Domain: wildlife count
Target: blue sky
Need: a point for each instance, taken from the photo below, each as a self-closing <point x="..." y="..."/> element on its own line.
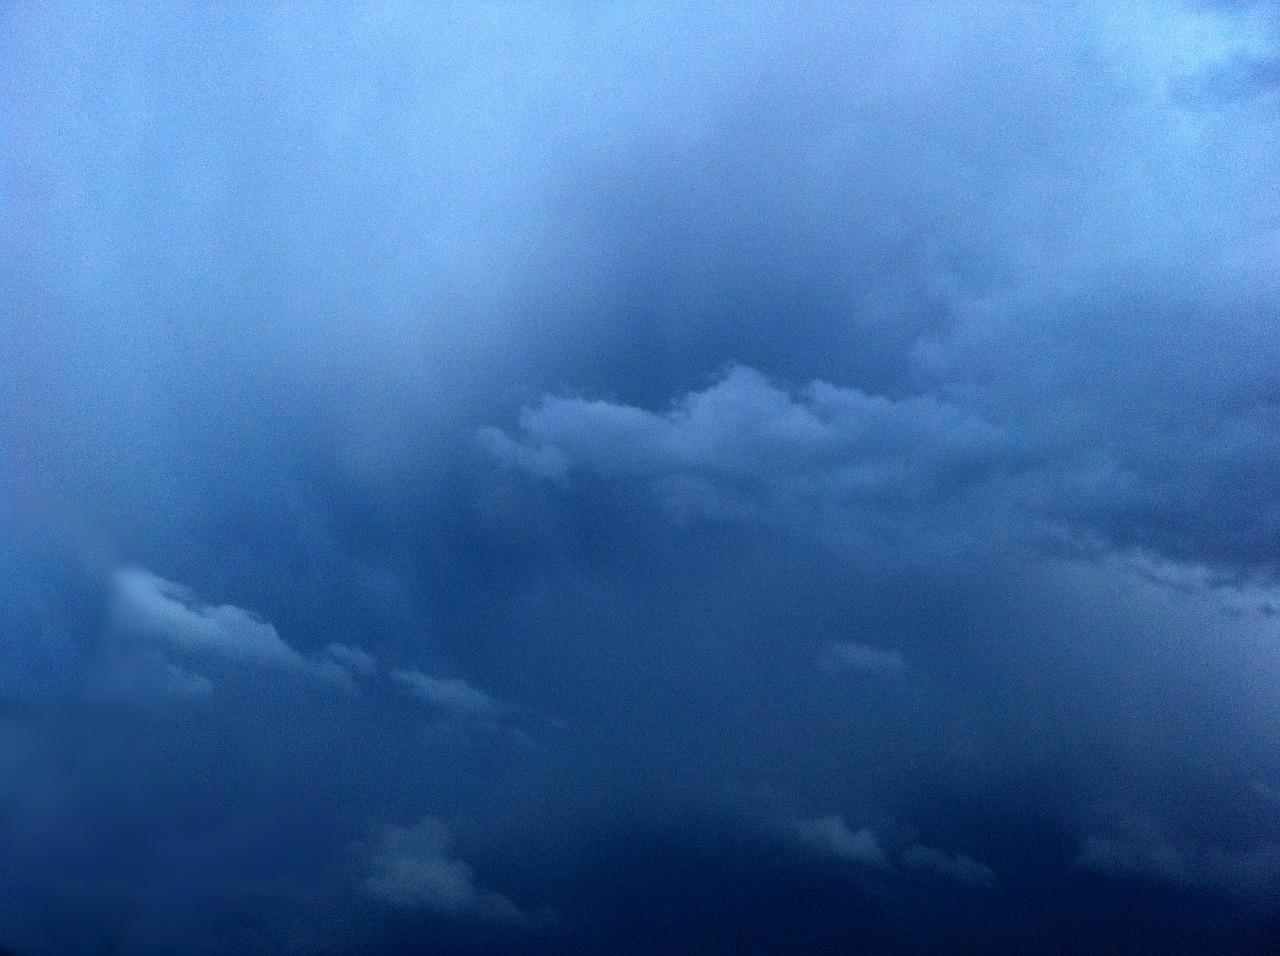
<point x="556" y="478"/>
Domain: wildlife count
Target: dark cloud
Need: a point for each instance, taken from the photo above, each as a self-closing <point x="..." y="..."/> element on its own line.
<point x="639" y="479"/>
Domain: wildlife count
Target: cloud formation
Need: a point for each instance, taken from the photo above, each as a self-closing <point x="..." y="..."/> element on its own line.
<point x="879" y="442"/>
<point x="876" y="474"/>
<point x="961" y="868"/>
<point x="174" y="623"/>
<point x="888" y="478"/>
<point x="353" y="658"/>
<point x="412" y="867"/>
<point x="1151" y="856"/>
<point x="450" y="694"/>
<point x="831" y="836"/>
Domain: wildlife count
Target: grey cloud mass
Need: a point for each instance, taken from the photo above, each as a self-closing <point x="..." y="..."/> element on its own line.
<point x="639" y="478"/>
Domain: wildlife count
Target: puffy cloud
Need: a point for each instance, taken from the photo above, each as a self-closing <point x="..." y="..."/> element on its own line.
<point x="876" y="473"/>
<point x="921" y="476"/>
<point x="412" y="867"/>
<point x="832" y="837"/>
<point x="961" y="868"/>
<point x="746" y="429"/>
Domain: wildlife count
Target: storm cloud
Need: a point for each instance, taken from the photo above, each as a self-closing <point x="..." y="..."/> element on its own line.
<point x="639" y="478"/>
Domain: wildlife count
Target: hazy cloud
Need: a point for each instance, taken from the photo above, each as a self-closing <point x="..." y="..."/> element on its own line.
<point x="961" y="868"/>
<point x="448" y="693"/>
<point x="413" y="867"/>
<point x="1149" y="855"/>
<point x="1152" y="858"/>
<point x="352" y="658"/>
<point x="842" y="654"/>
<point x="149" y="673"/>
<point x="832" y="837"/>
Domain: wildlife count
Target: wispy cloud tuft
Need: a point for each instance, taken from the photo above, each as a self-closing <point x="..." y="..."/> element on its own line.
<point x="832" y="837"/>
<point x="413" y="867"/>
<point x="448" y="693"/>
<point x="961" y="868"/>
<point x="170" y="636"/>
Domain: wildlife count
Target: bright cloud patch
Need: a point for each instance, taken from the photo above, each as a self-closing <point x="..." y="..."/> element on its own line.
<point x="182" y="635"/>
<point x="920" y="476"/>
<point x="744" y="440"/>
<point x="864" y="469"/>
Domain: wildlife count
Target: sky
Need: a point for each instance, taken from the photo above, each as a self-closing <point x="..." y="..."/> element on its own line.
<point x="554" y="478"/>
